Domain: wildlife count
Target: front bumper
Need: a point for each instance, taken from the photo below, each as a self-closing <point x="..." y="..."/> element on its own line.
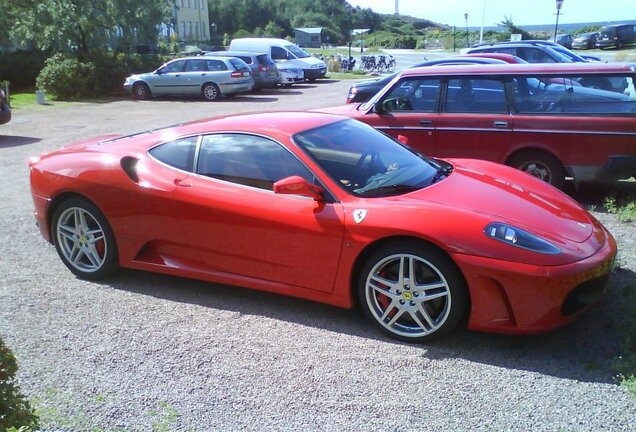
<point x="509" y="297"/>
<point x="606" y="44"/>
<point x="311" y="74"/>
<point x="616" y="168"/>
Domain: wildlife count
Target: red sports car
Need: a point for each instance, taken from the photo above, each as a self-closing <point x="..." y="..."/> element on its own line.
<point x="326" y="208"/>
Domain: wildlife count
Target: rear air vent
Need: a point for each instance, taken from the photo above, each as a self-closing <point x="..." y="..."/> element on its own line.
<point x="129" y="165"/>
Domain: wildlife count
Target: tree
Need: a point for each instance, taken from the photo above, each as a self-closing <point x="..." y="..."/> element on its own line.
<point x="82" y="25"/>
<point x="513" y="29"/>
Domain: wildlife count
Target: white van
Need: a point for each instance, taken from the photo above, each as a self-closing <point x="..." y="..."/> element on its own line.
<point x="285" y="53"/>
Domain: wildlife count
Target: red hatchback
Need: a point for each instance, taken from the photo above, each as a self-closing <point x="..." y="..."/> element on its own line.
<point x="328" y="209"/>
<point x="552" y="121"/>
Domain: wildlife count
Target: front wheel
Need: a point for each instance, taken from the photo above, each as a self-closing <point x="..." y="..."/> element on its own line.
<point x="541" y="165"/>
<point x="84" y="240"/>
<point x="140" y="91"/>
<point x="210" y="92"/>
<point x="413" y="292"/>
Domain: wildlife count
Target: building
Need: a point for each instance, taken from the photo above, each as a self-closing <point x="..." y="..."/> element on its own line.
<point x="308" y="37"/>
<point x="191" y="20"/>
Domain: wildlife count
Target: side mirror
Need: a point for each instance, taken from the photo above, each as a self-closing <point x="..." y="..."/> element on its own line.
<point x="378" y="108"/>
<point x="158" y="72"/>
<point x="404" y="140"/>
<point x="296" y="185"/>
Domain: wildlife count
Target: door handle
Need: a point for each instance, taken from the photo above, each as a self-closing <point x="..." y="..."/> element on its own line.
<point x="202" y="74"/>
<point x="426" y="122"/>
<point x="181" y="183"/>
<point x="500" y="124"/>
<point x="177" y="75"/>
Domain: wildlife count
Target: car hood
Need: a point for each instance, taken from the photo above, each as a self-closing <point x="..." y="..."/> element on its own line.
<point x="506" y="195"/>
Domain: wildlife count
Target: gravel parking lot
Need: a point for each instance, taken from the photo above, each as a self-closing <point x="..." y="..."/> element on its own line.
<point x="146" y="352"/>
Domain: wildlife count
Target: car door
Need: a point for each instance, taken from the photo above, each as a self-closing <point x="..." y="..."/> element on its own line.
<point x="194" y="75"/>
<point x="475" y="121"/>
<point x="168" y="79"/>
<point x="409" y="109"/>
<point x="240" y="227"/>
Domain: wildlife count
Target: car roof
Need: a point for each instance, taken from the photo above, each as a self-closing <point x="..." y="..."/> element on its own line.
<point x="233" y="53"/>
<point x="524" y="68"/>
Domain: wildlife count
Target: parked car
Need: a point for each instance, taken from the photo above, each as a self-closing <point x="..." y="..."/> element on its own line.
<point x="551" y="121"/>
<point x="616" y="36"/>
<point x="585" y="40"/>
<point x="530" y="52"/>
<point x="290" y="75"/>
<point x="564" y="39"/>
<point x="264" y="69"/>
<point x="567" y="56"/>
<point x="5" y="111"/>
<point x="284" y="53"/>
<point x="209" y="77"/>
<point x="362" y="91"/>
<point x="327" y="209"/>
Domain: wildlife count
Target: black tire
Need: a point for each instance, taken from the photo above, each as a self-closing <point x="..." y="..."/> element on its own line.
<point x="541" y="165"/>
<point x="84" y="240"/>
<point x="140" y="91"/>
<point x="210" y="92"/>
<point x="401" y="307"/>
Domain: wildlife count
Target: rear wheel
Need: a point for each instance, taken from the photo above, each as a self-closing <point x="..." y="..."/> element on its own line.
<point x="140" y="91"/>
<point x="210" y="92"/>
<point x="84" y="240"/>
<point x="412" y="292"/>
<point x="541" y="165"/>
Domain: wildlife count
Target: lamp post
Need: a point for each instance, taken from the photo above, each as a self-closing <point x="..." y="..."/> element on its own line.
<point x="559" y="3"/>
<point x="466" y="18"/>
<point x="350" y="31"/>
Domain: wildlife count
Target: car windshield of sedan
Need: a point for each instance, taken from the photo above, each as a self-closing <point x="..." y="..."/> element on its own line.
<point x="366" y="162"/>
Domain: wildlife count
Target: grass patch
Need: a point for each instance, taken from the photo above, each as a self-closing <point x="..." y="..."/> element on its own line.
<point x="355" y="51"/>
<point x="624" y="209"/>
<point x="22" y="100"/>
<point x="625" y="364"/>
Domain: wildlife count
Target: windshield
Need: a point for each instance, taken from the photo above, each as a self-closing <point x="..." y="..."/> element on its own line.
<point x="366" y="162"/>
<point x="299" y="53"/>
<point x="571" y="55"/>
<point x="609" y="31"/>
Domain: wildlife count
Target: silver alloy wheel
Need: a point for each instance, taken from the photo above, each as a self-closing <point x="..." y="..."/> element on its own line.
<point x="408" y="295"/>
<point x="140" y="91"/>
<point x="81" y="239"/>
<point x="537" y="169"/>
<point x="210" y="92"/>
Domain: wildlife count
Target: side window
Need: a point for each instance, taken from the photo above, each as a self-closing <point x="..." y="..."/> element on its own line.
<point x="195" y="66"/>
<point x="174" y="67"/>
<point x="279" y="53"/>
<point x="248" y="160"/>
<point x="178" y="154"/>
<point x="576" y="95"/>
<point x="474" y="95"/>
<point x="216" y="65"/>
<point x="246" y="59"/>
<point x="534" y="55"/>
<point x="417" y="95"/>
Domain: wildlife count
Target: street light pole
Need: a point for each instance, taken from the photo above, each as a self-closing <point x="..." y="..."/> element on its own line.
<point x="350" y="31"/>
<point x="559" y="3"/>
<point x="466" y="18"/>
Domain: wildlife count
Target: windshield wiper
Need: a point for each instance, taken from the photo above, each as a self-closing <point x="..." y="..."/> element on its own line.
<point x="390" y="189"/>
<point x="443" y="171"/>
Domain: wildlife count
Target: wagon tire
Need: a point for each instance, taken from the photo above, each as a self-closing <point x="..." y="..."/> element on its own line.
<point x="84" y="239"/>
<point x="140" y="91"/>
<point x="539" y="164"/>
<point x="413" y="292"/>
<point x="210" y="92"/>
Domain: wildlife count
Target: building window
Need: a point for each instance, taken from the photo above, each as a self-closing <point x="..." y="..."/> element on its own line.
<point x="183" y="30"/>
<point x="189" y="30"/>
<point x="196" y="30"/>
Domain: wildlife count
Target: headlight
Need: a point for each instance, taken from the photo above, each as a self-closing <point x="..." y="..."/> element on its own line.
<point x="517" y="237"/>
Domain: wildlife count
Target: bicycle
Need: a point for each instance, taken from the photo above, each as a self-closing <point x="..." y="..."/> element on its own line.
<point x="390" y="67"/>
<point x="367" y="63"/>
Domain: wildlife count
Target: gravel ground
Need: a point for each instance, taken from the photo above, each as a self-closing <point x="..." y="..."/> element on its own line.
<point x="146" y="352"/>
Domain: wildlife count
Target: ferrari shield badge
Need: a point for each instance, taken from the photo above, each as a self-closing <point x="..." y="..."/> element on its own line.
<point x="359" y="215"/>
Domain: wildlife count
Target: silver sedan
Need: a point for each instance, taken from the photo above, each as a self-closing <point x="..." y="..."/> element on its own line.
<point x="210" y="77"/>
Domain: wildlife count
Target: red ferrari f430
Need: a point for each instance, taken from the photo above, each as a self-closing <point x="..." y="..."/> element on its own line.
<point x="328" y="209"/>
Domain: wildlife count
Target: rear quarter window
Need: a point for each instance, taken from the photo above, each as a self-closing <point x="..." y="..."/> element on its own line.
<point x="178" y="154"/>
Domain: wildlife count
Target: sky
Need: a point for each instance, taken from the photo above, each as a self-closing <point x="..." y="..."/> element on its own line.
<point x="522" y="12"/>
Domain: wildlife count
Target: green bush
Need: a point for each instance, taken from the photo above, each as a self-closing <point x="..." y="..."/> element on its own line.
<point x="68" y="78"/>
<point x="21" y="68"/>
<point x="15" y="411"/>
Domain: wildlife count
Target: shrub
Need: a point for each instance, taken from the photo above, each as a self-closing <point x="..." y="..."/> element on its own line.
<point x="21" y="68"/>
<point x="15" y="411"/>
<point x="68" y="78"/>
